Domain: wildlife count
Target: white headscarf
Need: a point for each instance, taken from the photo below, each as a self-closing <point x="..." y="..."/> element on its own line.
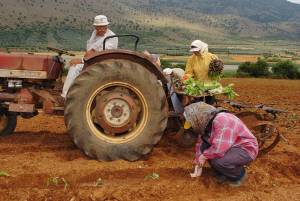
<point x="199" y="46"/>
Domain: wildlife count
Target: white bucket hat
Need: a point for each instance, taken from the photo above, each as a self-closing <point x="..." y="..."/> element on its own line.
<point x="198" y="46"/>
<point x="100" y="20"/>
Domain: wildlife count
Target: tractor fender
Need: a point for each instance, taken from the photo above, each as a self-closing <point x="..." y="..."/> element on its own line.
<point x="136" y="57"/>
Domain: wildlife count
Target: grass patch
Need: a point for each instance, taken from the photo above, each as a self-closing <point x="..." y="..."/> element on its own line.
<point x="229" y="73"/>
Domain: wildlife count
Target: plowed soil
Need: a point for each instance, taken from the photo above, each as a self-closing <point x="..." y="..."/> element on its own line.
<point x="40" y="150"/>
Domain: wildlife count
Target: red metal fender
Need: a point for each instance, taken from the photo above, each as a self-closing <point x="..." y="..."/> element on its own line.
<point x="136" y="57"/>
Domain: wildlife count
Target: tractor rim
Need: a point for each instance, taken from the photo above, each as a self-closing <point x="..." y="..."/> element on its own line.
<point x="114" y="115"/>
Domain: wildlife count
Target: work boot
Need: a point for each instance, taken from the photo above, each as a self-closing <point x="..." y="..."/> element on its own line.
<point x="239" y="182"/>
<point x="219" y="178"/>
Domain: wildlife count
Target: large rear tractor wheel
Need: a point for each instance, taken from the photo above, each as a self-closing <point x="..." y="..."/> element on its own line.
<point x="116" y="110"/>
<point x="8" y="122"/>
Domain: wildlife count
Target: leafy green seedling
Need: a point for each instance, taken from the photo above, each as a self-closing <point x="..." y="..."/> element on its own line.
<point x="66" y="184"/>
<point x="4" y="174"/>
<point x="152" y="176"/>
<point x="99" y="182"/>
<point x="55" y="181"/>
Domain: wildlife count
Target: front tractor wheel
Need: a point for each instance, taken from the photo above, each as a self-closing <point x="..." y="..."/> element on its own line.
<point x="116" y="110"/>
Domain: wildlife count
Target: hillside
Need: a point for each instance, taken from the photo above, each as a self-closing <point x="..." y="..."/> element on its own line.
<point x="163" y="23"/>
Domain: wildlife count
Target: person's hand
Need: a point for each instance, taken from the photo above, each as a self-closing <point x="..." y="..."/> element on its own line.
<point x="75" y="62"/>
<point x="185" y="77"/>
<point x="197" y="172"/>
<point x="89" y="53"/>
<point x="200" y="160"/>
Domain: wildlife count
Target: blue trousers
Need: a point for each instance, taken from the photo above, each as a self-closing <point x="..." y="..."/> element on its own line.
<point x="232" y="163"/>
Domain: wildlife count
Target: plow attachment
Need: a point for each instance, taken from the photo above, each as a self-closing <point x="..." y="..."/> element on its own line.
<point x="266" y="132"/>
<point x="262" y="126"/>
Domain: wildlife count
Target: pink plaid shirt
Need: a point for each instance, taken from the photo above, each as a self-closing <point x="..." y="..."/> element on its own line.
<point x="228" y="131"/>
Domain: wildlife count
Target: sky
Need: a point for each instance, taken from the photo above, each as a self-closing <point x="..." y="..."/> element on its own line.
<point x="295" y="1"/>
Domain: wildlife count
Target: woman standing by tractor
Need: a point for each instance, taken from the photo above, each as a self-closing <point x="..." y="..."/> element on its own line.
<point x="198" y="63"/>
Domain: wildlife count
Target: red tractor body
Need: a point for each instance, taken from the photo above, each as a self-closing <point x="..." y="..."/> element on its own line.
<point x="29" y="81"/>
<point x="21" y="65"/>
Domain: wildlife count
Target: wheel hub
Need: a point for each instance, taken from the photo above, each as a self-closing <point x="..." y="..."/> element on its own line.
<point x="116" y="112"/>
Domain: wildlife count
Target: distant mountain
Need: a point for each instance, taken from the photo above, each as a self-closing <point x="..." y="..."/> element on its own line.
<point x="160" y="23"/>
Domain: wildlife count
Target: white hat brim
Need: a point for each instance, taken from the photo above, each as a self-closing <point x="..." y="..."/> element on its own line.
<point x="101" y="24"/>
<point x="196" y="49"/>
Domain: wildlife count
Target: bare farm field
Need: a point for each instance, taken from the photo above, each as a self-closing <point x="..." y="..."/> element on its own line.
<point x="42" y="163"/>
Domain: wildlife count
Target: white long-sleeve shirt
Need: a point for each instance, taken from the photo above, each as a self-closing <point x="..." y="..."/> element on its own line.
<point x="96" y="42"/>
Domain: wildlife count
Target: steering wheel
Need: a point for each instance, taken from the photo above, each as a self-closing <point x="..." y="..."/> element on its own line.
<point x="60" y="52"/>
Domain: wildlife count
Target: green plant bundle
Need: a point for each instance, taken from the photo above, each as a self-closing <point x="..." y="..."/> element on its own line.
<point x="214" y="75"/>
<point x="197" y="88"/>
<point x="216" y="67"/>
<point x="229" y="92"/>
<point x="194" y="87"/>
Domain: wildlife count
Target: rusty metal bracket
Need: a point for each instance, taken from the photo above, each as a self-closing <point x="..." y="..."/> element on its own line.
<point x="8" y="97"/>
<point x="44" y="95"/>
<point x="14" y="107"/>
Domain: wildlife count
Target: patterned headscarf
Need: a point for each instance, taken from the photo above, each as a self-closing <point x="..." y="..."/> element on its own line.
<point x="198" y="115"/>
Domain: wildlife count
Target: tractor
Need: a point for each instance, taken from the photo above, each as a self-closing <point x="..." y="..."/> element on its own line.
<point x="117" y="108"/>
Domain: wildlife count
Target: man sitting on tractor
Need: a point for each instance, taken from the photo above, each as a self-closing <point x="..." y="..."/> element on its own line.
<point x="94" y="44"/>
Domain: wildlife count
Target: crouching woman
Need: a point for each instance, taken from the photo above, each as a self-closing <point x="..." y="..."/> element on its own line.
<point x="224" y="141"/>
